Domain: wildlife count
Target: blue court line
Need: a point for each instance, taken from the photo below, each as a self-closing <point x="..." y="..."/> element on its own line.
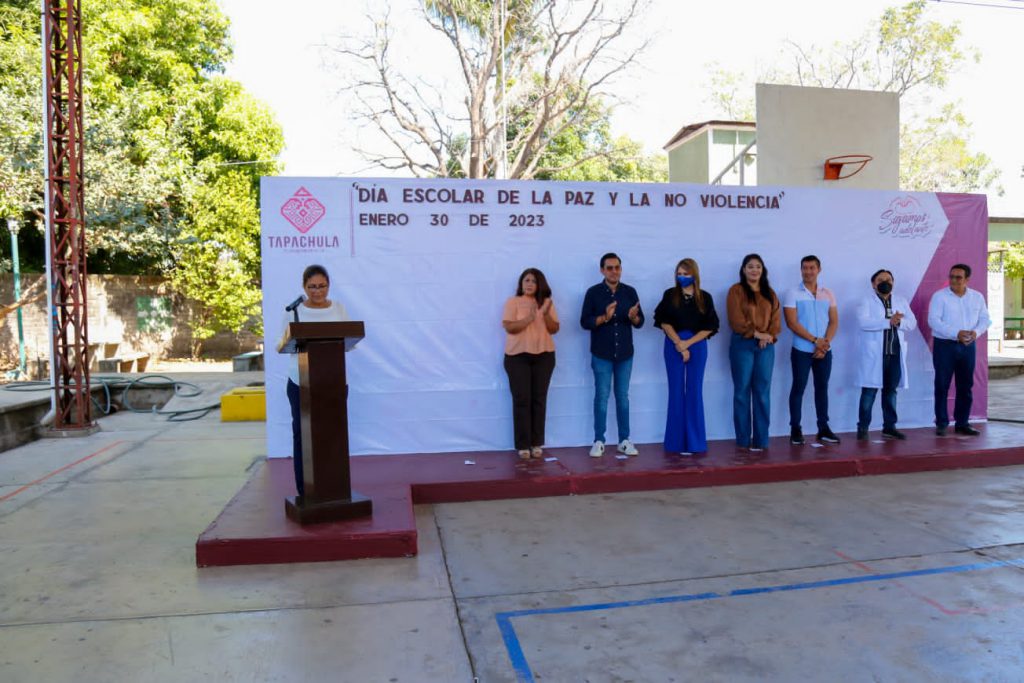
<point x="525" y="675"/>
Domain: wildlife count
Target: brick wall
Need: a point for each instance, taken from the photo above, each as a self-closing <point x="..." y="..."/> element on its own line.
<point x="140" y="313"/>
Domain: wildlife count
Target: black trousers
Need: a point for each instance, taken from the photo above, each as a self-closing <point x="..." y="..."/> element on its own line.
<point x="293" y="400"/>
<point x="529" y="375"/>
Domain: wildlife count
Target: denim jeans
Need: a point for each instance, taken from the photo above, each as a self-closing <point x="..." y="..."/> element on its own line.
<point x="891" y="375"/>
<point x="952" y="359"/>
<point x="605" y="372"/>
<point x="752" y="384"/>
<point x="804" y="363"/>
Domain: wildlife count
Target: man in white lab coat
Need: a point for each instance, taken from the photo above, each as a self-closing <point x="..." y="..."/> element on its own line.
<point x="884" y="319"/>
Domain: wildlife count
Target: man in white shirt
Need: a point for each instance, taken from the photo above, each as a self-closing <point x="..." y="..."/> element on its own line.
<point x="957" y="315"/>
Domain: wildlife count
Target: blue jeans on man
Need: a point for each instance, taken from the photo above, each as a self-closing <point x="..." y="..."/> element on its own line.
<point x="606" y="374"/>
<point x="892" y="374"/>
<point x="953" y="360"/>
<point x="804" y="363"/>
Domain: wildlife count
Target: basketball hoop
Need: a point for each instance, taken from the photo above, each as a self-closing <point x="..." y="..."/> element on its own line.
<point x="834" y="165"/>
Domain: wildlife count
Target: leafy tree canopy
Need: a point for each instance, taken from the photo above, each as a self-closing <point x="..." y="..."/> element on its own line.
<point x="171" y="146"/>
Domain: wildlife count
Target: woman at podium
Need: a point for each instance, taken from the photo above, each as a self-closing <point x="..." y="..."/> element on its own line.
<point x="315" y="308"/>
<point x="529" y="319"/>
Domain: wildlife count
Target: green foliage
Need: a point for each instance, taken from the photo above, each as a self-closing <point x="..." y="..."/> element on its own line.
<point x="173" y="150"/>
<point x="20" y="109"/>
<point x="934" y="155"/>
<point x="1013" y="259"/>
<point x="584" y="149"/>
<point x="913" y="51"/>
<point x="218" y="256"/>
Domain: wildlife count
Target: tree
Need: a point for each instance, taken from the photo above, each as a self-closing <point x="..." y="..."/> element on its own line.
<point x="906" y="53"/>
<point x="20" y="109"/>
<point x="167" y="139"/>
<point x="550" y="59"/>
<point x="217" y="251"/>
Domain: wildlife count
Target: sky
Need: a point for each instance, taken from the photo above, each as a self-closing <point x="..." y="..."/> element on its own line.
<point x="282" y="56"/>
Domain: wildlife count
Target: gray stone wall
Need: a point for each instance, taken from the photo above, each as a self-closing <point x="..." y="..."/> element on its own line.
<point x="141" y="314"/>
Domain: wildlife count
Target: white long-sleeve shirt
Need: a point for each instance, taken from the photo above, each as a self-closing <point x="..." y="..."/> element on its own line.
<point x="949" y="313"/>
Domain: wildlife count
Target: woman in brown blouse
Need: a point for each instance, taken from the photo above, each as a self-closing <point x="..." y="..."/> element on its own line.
<point x="754" y="316"/>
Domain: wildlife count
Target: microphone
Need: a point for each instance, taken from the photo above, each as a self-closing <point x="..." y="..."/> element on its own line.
<point x="295" y="304"/>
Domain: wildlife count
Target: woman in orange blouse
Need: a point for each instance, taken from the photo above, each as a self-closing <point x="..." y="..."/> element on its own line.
<point x="529" y="320"/>
<point x="754" y="316"/>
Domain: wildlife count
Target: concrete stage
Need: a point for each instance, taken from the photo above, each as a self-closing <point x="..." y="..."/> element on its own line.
<point x="253" y="529"/>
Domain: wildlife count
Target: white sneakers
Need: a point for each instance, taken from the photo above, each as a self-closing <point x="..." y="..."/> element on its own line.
<point x="628" y="448"/>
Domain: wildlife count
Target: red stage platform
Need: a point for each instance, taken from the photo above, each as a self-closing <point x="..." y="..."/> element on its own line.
<point x="253" y="529"/>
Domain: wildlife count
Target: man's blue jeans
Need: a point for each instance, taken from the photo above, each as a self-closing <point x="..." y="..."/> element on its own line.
<point x="951" y="359"/>
<point x="605" y="373"/>
<point x="752" y="387"/>
<point x="891" y="376"/>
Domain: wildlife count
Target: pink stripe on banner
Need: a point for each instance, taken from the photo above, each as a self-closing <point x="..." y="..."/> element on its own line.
<point x="965" y="241"/>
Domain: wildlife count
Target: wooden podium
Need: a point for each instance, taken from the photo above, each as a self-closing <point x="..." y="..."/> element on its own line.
<point x="323" y="394"/>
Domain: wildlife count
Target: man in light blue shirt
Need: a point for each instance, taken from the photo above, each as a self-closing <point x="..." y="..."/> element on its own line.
<point x="957" y="315"/>
<point x="812" y="315"/>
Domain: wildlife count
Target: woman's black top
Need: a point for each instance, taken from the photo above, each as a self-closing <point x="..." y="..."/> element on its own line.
<point x="685" y="315"/>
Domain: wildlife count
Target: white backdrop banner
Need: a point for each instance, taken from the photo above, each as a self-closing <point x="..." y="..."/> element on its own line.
<point x="428" y="266"/>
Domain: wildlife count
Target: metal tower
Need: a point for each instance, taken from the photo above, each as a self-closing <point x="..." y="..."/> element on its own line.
<point x="65" y="212"/>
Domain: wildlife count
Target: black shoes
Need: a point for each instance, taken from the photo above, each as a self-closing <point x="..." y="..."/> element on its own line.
<point x="796" y="436"/>
<point x="894" y="434"/>
<point x="862" y="434"/>
<point x="827" y="436"/>
<point x="966" y="430"/>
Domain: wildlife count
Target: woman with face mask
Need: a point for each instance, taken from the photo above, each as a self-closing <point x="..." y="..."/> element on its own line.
<point x="687" y="316"/>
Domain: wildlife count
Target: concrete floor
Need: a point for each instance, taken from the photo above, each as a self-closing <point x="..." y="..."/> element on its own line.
<point x="892" y="578"/>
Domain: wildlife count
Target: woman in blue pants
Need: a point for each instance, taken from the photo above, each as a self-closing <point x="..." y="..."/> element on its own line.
<point x="687" y="316"/>
<point x="752" y="308"/>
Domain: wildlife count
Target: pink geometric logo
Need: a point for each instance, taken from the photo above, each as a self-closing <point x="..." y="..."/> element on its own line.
<point x="303" y="210"/>
<point x="905" y="217"/>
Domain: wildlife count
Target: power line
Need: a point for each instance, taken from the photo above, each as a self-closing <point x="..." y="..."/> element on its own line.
<point x="980" y="4"/>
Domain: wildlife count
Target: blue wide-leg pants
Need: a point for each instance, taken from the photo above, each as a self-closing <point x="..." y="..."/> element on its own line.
<point x="684" y="427"/>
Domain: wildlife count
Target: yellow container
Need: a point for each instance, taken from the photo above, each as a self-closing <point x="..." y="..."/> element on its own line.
<point x="244" y="404"/>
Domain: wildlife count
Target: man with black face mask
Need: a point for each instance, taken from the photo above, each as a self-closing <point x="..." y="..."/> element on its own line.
<point x="883" y="318"/>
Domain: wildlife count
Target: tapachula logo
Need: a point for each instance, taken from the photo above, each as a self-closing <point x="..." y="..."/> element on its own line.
<point x="303" y="210"/>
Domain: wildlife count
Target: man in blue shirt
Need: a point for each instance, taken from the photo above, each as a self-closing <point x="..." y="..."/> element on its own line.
<point x="812" y="315"/>
<point x="611" y="309"/>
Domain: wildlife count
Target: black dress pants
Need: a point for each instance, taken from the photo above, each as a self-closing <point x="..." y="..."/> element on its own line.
<point x="529" y="375"/>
